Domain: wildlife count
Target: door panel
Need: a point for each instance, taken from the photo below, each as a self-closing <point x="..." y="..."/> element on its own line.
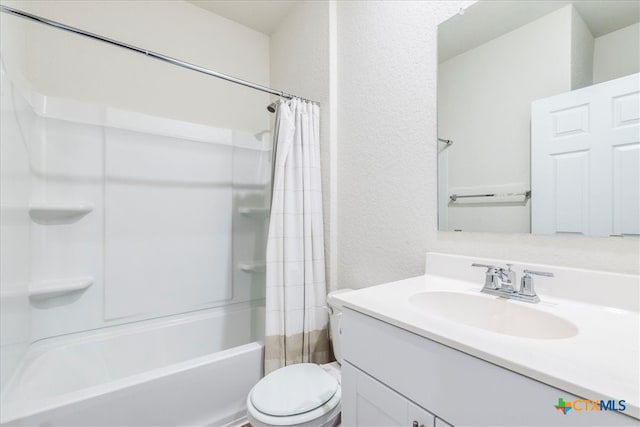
<point x="572" y="192"/>
<point x="626" y="189"/>
<point x="585" y="160"/>
<point x="369" y="403"/>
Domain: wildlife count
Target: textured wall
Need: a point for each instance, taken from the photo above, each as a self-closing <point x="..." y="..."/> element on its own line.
<point x="387" y="156"/>
<point x="386" y="137"/>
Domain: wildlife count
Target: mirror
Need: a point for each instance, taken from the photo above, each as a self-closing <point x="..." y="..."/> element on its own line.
<point x="539" y="118"/>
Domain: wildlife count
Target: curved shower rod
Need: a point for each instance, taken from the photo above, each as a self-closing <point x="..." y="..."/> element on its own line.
<point x="156" y="55"/>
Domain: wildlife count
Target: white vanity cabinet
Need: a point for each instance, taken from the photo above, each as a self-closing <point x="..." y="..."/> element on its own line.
<point x="392" y="377"/>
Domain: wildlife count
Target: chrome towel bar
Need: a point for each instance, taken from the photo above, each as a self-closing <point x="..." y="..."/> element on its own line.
<point x="454" y="197"/>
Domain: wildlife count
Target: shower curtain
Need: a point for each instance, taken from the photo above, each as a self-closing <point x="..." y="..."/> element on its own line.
<point x="296" y="321"/>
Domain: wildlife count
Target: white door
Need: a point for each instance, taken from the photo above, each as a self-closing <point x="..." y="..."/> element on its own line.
<point x="585" y="160"/>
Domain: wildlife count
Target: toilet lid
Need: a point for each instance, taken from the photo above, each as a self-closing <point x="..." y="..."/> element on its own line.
<point x="293" y="390"/>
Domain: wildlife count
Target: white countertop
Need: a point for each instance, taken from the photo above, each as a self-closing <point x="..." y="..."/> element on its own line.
<point x="601" y="362"/>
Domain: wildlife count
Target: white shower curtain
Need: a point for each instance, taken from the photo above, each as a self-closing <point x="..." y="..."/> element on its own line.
<point x="296" y="321"/>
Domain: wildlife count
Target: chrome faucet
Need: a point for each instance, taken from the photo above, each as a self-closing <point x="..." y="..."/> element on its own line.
<point x="500" y="281"/>
<point x="507" y="278"/>
<point x="498" y="277"/>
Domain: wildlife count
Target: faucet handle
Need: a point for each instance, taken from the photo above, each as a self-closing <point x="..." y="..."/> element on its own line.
<point x="490" y="279"/>
<point x="484" y="265"/>
<point x="526" y="284"/>
<point x="538" y="273"/>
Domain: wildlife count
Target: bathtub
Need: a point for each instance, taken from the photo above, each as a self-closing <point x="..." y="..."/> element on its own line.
<point x="195" y="369"/>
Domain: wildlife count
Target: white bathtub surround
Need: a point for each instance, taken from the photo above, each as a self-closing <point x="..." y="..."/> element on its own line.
<point x="599" y="362"/>
<point x="115" y="239"/>
<point x="15" y="177"/>
<point x="182" y="370"/>
<point x="296" y="322"/>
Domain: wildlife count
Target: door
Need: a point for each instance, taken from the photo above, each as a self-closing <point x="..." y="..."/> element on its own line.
<point x="585" y="160"/>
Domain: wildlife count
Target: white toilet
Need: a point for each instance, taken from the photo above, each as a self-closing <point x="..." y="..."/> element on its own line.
<point x="302" y="395"/>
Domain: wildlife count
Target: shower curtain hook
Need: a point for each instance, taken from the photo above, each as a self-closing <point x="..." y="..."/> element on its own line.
<point x="284" y="97"/>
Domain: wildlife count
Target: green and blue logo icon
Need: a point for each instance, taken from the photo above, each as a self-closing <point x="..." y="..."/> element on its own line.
<point x="583" y="405"/>
<point x="563" y="406"/>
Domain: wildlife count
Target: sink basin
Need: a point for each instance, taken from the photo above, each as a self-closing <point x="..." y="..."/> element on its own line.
<point x="494" y="314"/>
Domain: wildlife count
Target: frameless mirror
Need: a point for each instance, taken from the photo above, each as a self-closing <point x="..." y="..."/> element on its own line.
<point x="539" y="118"/>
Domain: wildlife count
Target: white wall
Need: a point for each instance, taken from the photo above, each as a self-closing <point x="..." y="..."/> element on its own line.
<point x="301" y="64"/>
<point x="617" y="54"/>
<point x="387" y="157"/>
<point x="582" y="42"/>
<point x="65" y="65"/>
<point x="15" y="177"/>
<point x="484" y="106"/>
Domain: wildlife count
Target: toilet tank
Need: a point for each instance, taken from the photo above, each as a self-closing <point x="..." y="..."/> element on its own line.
<point x="335" y="316"/>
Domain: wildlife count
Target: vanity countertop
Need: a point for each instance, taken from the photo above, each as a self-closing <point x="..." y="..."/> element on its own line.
<point x="600" y="362"/>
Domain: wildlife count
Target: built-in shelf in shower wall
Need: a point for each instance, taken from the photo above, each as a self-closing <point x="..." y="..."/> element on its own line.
<point x="253" y="267"/>
<point x="57" y="213"/>
<point x="47" y="289"/>
<point x="254" y="212"/>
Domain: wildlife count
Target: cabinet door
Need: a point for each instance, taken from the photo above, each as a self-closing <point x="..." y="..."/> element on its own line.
<point x="418" y="417"/>
<point x="367" y="402"/>
<point x="440" y="423"/>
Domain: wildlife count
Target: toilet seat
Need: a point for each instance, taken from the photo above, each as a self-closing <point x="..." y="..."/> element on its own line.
<point x="295" y="395"/>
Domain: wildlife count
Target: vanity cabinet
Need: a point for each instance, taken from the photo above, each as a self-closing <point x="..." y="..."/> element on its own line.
<point x="392" y="377"/>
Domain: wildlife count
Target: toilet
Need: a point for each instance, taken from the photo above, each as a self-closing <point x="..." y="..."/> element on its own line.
<point x="305" y="394"/>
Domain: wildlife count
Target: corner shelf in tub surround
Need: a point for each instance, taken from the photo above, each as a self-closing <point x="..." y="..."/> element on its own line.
<point x="58" y="212"/>
<point x="254" y="212"/>
<point x="46" y="289"/>
<point x="253" y="267"/>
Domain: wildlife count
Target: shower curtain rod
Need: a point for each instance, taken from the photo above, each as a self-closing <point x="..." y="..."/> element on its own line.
<point x="161" y="57"/>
